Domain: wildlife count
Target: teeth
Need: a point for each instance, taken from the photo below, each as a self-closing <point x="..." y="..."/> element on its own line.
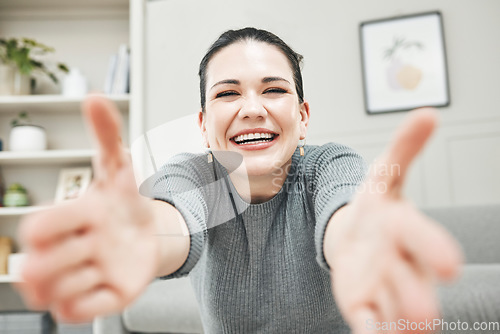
<point x="253" y="136"/>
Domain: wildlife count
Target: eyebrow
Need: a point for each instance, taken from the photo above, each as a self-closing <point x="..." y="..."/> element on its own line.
<point x="237" y="82"/>
<point x="272" y="79"/>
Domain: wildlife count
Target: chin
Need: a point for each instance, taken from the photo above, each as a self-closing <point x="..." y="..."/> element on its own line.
<point x="263" y="165"/>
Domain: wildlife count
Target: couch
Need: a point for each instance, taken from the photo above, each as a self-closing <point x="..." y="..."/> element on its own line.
<point x="170" y="306"/>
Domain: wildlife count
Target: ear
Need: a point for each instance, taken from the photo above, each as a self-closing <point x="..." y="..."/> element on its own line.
<point x="203" y="128"/>
<point x="304" y="119"/>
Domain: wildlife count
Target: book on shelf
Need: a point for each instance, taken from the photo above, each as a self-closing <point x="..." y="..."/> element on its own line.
<point x="108" y="84"/>
<point x="118" y="74"/>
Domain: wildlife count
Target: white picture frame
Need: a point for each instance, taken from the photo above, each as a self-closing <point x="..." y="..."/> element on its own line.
<point x="404" y="63"/>
<point x="73" y="182"/>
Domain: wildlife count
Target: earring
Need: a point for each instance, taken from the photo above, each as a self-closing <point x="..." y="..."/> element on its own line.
<point x="210" y="157"/>
<point x="302" y="143"/>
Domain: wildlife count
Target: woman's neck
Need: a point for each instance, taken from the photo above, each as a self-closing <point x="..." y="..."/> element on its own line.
<point x="256" y="189"/>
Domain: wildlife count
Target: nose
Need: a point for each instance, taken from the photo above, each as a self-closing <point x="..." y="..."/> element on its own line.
<point x="252" y="107"/>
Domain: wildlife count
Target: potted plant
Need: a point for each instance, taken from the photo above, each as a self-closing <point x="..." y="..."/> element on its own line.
<point x="25" y="136"/>
<point x="18" y="60"/>
<point x="16" y="195"/>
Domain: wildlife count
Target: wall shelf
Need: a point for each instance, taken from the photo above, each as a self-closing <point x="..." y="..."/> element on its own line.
<point x="9" y="279"/>
<point x="52" y="103"/>
<point x="47" y="157"/>
<point x="19" y="211"/>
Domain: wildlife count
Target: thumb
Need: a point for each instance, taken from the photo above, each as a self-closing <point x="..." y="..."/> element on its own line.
<point x="104" y="120"/>
<point x="408" y="141"/>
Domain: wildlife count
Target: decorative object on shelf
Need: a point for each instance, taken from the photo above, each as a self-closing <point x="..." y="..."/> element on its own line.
<point x="19" y="59"/>
<point x="15" y="264"/>
<point x="72" y="183"/>
<point x="16" y="195"/>
<point x="5" y="251"/>
<point x="1" y="145"/>
<point x="404" y="63"/>
<point x="118" y="76"/>
<point x="74" y="84"/>
<point x="25" y="136"/>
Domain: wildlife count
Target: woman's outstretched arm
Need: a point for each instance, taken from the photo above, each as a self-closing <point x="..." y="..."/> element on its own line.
<point x="94" y="255"/>
<point x="384" y="255"/>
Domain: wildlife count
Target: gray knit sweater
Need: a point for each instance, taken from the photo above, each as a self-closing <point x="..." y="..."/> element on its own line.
<point x="259" y="268"/>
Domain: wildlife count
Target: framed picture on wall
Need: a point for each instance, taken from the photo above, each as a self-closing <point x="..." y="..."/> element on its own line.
<point x="404" y="63"/>
<point x="72" y="183"/>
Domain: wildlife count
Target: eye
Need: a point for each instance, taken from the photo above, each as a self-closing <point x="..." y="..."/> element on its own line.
<point x="275" y="91"/>
<point x="226" y="93"/>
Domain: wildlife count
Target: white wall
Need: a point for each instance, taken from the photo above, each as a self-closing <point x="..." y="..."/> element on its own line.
<point x="458" y="167"/>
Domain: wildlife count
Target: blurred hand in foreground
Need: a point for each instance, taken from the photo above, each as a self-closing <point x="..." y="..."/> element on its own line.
<point x="95" y="254"/>
<point x="385" y="256"/>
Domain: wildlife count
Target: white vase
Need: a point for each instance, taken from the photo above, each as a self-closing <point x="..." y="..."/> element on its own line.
<point x="12" y="82"/>
<point x="74" y="84"/>
<point x="27" y="138"/>
<point x="15" y="264"/>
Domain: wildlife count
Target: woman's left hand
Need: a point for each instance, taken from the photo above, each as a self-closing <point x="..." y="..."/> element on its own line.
<point x="385" y="256"/>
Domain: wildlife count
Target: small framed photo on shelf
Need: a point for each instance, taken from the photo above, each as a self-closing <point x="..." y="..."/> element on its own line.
<point x="72" y="183"/>
<point x="404" y="63"/>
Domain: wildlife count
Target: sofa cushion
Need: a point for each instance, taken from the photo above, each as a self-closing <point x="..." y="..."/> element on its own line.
<point x="474" y="297"/>
<point x="477" y="229"/>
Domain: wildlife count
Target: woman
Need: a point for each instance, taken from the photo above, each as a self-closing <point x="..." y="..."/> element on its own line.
<point x="261" y="233"/>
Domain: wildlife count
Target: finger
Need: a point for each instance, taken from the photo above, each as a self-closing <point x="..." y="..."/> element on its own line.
<point x="78" y="282"/>
<point x="45" y="227"/>
<point x="85" y="308"/>
<point x="44" y="266"/>
<point x="430" y="245"/>
<point x="104" y="119"/>
<point x="364" y="321"/>
<point x="416" y="298"/>
<point x="407" y="142"/>
<point x="386" y="304"/>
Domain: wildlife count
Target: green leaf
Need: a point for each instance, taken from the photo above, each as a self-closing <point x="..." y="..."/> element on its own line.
<point x="20" y="51"/>
<point x="63" y="67"/>
<point x="53" y="77"/>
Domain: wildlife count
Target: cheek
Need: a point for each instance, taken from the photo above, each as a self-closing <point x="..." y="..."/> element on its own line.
<point x="218" y="124"/>
<point x="287" y="115"/>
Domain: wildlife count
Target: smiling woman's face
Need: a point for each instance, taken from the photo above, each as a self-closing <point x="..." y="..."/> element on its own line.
<point x="252" y="106"/>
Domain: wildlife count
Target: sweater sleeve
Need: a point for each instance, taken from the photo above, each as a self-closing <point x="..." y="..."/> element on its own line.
<point x="336" y="171"/>
<point x="182" y="183"/>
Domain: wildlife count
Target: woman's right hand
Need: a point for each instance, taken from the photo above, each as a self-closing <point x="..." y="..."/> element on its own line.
<point x="95" y="254"/>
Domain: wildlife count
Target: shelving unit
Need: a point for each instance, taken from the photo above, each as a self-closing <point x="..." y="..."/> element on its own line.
<point x="84" y="33"/>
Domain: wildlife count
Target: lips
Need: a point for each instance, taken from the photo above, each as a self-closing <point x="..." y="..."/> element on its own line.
<point x="254" y="138"/>
<point x="258" y="137"/>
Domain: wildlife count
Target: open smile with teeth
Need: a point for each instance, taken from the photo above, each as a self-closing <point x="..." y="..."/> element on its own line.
<point x="254" y="138"/>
